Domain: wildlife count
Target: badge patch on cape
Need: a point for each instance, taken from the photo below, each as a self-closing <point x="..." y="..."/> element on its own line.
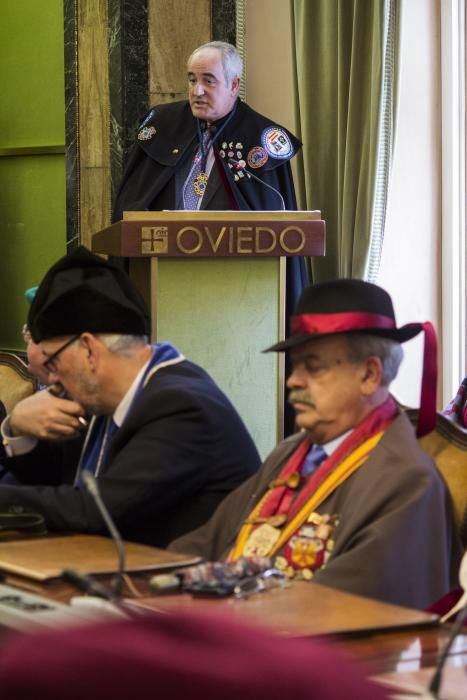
<point x="147" y="133"/>
<point x="277" y="143"/>
<point x="257" y="157"/>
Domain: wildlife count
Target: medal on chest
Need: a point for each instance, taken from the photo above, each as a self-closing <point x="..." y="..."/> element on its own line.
<point x="199" y="183"/>
<point x="261" y="541"/>
<point x="309" y="549"/>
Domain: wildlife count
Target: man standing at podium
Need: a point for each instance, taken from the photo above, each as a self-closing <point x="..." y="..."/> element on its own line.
<point x="212" y="151"/>
<point x="164" y="442"/>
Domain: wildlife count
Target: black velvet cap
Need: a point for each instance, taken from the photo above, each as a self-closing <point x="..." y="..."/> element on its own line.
<point x="83" y="292"/>
<point x="344" y="306"/>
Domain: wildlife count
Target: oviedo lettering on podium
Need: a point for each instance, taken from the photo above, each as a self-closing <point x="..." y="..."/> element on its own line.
<point x="211" y="240"/>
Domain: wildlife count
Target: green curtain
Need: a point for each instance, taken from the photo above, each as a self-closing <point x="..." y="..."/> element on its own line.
<point x="340" y="46"/>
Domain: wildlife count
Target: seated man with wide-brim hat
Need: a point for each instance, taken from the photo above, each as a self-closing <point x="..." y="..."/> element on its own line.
<point x="350" y="501"/>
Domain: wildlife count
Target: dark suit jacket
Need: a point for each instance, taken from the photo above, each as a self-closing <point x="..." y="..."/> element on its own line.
<point x="396" y="539"/>
<point x="180" y="450"/>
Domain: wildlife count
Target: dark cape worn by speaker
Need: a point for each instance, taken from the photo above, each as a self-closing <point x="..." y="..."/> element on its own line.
<point x="382" y="546"/>
<point x="181" y="448"/>
<point x="167" y="141"/>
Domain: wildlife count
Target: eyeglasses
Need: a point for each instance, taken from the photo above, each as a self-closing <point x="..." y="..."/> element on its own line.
<point x="51" y="364"/>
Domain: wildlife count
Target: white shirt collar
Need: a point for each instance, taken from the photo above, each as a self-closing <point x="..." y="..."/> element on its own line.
<point x="124" y="405"/>
<point x="332" y="445"/>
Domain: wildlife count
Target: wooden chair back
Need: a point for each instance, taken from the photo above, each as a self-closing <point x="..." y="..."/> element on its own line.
<point x="16" y="382"/>
<point x="447" y="446"/>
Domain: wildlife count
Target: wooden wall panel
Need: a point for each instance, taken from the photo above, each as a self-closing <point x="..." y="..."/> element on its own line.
<point x="175" y="29"/>
<point x="94" y="110"/>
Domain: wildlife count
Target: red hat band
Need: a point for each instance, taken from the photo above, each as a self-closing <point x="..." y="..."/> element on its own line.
<point x="339" y="322"/>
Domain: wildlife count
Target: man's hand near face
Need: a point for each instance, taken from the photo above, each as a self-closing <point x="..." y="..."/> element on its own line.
<point x="47" y="417"/>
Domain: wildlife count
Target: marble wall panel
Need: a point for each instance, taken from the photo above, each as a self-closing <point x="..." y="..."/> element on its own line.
<point x="71" y="123"/>
<point x="223" y="24"/>
<point x="128" y="77"/>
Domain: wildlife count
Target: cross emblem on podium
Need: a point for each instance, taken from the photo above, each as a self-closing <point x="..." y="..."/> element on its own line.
<point x="154" y="240"/>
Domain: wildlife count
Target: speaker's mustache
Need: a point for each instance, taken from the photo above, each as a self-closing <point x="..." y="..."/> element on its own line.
<point x="300" y="396"/>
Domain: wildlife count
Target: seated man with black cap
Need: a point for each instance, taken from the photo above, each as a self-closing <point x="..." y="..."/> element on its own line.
<point x="351" y="501"/>
<point x="164" y="442"/>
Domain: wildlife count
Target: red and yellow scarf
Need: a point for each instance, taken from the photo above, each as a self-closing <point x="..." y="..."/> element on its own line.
<point x="284" y="505"/>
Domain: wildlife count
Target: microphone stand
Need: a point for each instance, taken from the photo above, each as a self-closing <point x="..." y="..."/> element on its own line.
<point x="435" y="684"/>
<point x="87" y="584"/>
<point x="433" y="690"/>
<point x="92" y="487"/>
<point x="102" y="600"/>
<point x="240" y="167"/>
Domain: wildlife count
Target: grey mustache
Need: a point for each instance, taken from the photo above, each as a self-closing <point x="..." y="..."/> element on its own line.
<point x="299" y="396"/>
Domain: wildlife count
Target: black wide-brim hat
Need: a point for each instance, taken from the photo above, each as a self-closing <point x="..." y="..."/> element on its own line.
<point x="83" y="292"/>
<point x="353" y="306"/>
<point x="344" y="306"/>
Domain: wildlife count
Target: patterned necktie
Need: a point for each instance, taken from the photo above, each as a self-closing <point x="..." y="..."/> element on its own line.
<point x="195" y="184"/>
<point x="313" y="459"/>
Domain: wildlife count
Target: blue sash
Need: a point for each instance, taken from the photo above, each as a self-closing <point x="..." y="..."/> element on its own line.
<point x="102" y="428"/>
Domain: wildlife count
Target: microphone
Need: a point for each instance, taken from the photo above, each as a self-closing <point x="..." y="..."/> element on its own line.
<point x="92" y="487"/>
<point x="239" y="166"/>
<point x="434" y="687"/>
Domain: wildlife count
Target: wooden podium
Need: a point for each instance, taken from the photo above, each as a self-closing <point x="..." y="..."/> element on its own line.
<point x="215" y="284"/>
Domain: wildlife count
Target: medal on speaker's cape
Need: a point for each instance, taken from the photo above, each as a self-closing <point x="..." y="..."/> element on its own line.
<point x="199" y="183"/>
<point x="205" y="144"/>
